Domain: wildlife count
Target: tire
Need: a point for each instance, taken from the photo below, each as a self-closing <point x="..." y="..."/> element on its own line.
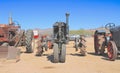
<point x="99" y="48"/>
<point x="112" y="51"/>
<point x="55" y="53"/>
<point x="83" y="49"/>
<point x="28" y="41"/>
<point x="96" y="46"/>
<point x="83" y="52"/>
<point x="63" y="54"/>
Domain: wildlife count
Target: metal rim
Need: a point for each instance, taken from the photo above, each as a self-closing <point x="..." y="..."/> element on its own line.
<point x="110" y="50"/>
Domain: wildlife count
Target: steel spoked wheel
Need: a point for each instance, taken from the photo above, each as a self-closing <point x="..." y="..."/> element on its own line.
<point x="63" y="54"/>
<point x="112" y="50"/>
<point x="55" y="53"/>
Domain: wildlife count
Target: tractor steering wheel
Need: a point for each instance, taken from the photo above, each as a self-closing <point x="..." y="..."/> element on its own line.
<point x="109" y="25"/>
<point x="16" y="23"/>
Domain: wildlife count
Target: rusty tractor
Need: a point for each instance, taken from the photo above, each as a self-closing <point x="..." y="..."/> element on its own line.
<point x="113" y="47"/>
<point x="60" y="32"/>
<point x="11" y="36"/>
<point x="111" y="41"/>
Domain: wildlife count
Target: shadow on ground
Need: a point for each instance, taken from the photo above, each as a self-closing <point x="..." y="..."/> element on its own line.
<point x="76" y="54"/>
<point x="92" y="53"/>
<point x="106" y="58"/>
<point x="50" y="58"/>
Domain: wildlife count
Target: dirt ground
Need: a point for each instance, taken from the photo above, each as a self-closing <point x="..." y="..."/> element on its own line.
<point x="75" y="63"/>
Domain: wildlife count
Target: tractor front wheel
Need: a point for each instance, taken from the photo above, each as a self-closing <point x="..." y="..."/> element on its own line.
<point x="112" y="51"/>
<point x="55" y="53"/>
<point x="63" y="54"/>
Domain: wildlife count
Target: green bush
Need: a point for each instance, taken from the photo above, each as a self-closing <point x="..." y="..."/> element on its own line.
<point x="81" y="32"/>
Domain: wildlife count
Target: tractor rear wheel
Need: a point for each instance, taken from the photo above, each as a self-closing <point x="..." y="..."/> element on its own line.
<point x="55" y="53"/>
<point x="28" y="41"/>
<point x="102" y="50"/>
<point x="96" y="45"/>
<point x="112" y="51"/>
<point x="63" y="54"/>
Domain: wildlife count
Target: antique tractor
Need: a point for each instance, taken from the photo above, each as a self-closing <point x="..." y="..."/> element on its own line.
<point x="60" y="32"/>
<point x="111" y="41"/>
<point x="113" y="47"/>
<point x="11" y="36"/>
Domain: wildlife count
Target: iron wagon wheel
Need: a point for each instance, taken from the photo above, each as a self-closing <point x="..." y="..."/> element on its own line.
<point x="55" y="53"/>
<point x="96" y="45"/>
<point x="63" y="54"/>
<point x="28" y="41"/>
<point x="112" y="51"/>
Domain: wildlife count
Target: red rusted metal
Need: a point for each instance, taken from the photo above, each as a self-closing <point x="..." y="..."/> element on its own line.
<point x="5" y="32"/>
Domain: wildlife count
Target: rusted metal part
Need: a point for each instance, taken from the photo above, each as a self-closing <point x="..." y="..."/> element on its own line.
<point x="3" y="51"/>
<point x="13" y="53"/>
<point x="10" y="52"/>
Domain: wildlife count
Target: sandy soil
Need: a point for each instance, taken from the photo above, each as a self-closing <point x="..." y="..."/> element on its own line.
<point x="75" y="63"/>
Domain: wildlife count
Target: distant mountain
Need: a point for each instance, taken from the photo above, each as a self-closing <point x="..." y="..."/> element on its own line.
<point x="100" y="28"/>
<point x="47" y="31"/>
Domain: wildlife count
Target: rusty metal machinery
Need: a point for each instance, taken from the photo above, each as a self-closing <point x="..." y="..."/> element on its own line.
<point x="111" y="41"/>
<point x="11" y="36"/>
<point x="113" y="47"/>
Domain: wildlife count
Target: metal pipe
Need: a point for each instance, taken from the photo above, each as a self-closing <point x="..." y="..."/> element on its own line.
<point x="67" y="18"/>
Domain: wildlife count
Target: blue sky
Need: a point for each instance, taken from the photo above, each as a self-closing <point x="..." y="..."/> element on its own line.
<point x="43" y="14"/>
